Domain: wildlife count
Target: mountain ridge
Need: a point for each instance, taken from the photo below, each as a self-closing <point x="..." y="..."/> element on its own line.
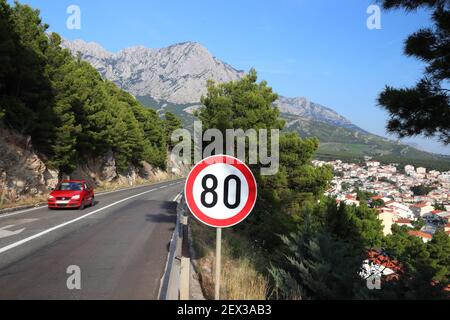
<point x="174" y="79"/>
<point x="117" y="68"/>
<point x="176" y="74"/>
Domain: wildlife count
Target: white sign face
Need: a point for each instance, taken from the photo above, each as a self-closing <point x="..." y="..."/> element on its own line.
<point x="214" y="178"/>
<point x="221" y="191"/>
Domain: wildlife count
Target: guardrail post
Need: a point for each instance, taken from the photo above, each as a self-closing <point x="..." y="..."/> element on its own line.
<point x="170" y="284"/>
<point x="175" y="284"/>
<point x="185" y="262"/>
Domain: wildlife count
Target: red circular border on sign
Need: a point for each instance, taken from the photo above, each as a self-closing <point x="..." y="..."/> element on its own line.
<point x="252" y="191"/>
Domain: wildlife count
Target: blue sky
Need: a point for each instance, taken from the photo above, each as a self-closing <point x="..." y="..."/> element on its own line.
<point x="318" y="49"/>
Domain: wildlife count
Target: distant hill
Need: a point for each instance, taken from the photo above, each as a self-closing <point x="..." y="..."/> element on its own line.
<point x="174" y="79"/>
<point x="337" y="142"/>
<point x="302" y="108"/>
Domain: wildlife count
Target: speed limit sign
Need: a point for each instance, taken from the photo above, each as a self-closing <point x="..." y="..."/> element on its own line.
<point x="221" y="191"/>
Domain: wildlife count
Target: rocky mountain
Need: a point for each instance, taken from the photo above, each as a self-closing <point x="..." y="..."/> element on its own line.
<point x="307" y="110"/>
<point x="176" y="74"/>
<point x="174" y="79"/>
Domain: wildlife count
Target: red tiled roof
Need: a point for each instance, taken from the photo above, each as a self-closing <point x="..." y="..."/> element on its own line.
<point x="402" y="220"/>
<point x="436" y="211"/>
<point x="421" y="205"/>
<point x="420" y="234"/>
<point x="383" y="260"/>
<point x="376" y="197"/>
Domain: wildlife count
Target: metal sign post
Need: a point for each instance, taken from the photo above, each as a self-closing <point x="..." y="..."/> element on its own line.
<point x="221" y="192"/>
<point x="218" y="262"/>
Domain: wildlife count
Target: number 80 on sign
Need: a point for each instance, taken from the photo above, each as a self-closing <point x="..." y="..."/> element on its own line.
<point x="221" y="191"/>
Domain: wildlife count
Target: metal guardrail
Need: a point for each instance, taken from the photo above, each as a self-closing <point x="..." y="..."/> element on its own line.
<point x="176" y="280"/>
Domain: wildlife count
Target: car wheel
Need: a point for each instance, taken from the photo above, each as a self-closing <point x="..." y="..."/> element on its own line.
<point x="82" y="205"/>
<point x="92" y="201"/>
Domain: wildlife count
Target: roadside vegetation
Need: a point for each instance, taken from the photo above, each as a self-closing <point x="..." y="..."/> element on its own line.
<point x="26" y="201"/>
<point x="298" y="244"/>
<point x="63" y="103"/>
<point x="241" y="278"/>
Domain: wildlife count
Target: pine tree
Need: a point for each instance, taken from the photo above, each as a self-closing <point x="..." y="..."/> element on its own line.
<point x="425" y="265"/>
<point x="69" y="111"/>
<point x="319" y="265"/>
<point x="423" y="109"/>
<point x="171" y="123"/>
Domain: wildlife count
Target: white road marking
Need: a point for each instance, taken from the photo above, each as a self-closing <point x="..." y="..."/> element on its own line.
<point x="6" y="233"/>
<point x="176" y="197"/>
<point x="19" y="212"/>
<point x="40" y="234"/>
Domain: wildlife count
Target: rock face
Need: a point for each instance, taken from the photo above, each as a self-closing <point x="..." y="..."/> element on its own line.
<point x="176" y="74"/>
<point x="23" y="171"/>
<point x="306" y="109"/>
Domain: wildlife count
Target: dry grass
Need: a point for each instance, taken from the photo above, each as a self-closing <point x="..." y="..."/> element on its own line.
<point x="117" y="185"/>
<point x="24" y="201"/>
<point x="239" y="278"/>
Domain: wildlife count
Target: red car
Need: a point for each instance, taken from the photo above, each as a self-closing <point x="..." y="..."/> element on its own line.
<point x="71" y="194"/>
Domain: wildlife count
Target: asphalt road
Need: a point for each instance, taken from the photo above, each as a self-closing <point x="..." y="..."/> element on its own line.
<point x="119" y="246"/>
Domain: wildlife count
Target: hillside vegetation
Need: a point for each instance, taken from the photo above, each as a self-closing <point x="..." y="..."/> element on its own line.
<point x="337" y="142"/>
<point x="298" y="244"/>
<point x="63" y="103"/>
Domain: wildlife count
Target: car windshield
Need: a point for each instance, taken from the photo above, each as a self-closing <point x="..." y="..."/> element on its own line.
<point x="69" y="186"/>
